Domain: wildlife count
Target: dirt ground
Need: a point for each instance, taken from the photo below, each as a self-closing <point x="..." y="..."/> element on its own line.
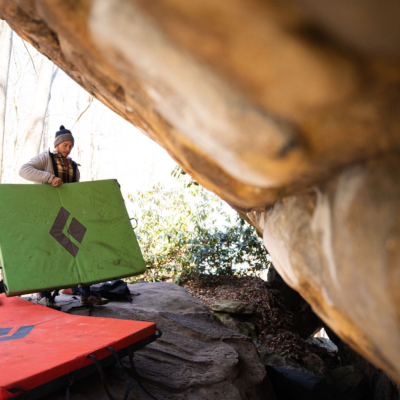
<point x="273" y="321"/>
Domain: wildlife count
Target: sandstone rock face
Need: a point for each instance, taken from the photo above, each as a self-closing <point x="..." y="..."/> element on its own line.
<point x="196" y="357"/>
<point x="287" y="110"/>
<point x="339" y="247"/>
<point x="252" y="113"/>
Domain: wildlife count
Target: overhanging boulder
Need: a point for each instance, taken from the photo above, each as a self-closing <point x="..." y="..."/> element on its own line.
<point x="247" y="97"/>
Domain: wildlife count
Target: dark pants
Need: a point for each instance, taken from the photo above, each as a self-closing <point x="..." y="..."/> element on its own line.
<point x="85" y="290"/>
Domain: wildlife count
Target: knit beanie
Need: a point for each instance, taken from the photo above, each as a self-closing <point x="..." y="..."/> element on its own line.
<point x="63" y="135"/>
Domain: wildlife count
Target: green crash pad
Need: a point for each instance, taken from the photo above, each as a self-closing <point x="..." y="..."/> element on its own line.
<point x="52" y="238"/>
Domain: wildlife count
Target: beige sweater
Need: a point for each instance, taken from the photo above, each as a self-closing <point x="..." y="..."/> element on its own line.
<point x="40" y="169"/>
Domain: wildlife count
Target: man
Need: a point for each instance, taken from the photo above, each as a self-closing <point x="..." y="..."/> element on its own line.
<point x="57" y="168"/>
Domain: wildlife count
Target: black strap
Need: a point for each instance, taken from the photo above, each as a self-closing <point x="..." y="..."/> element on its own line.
<point x="53" y="161"/>
<point x="137" y="223"/>
<point x="128" y="385"/>
<point x="51" y="297"/>
<point x="73" y="300"/>
<point x="70" y="382"/>
<point x="54" y="295"/>
<point x="74" y="167"/>
<point x="128" y="298"/>
<point x="102" y="376"/>
<point x="158" y="333"/>
<point x="22" y="395"/>
<point x="137" y="377"/>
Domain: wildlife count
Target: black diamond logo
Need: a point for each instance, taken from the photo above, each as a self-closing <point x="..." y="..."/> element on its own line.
<point x="20" y="333"/>
<point x="76" y="230"/>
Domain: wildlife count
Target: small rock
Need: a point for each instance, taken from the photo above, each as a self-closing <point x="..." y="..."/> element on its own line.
<point x="227" y="320"/>
<point x="322" y="342"/>
<point x="245" y="328"/>
<point x="232" y="307"/>
<point x="268" y="274"/>
<point x="269" y="336"/>
<point x="273" y="359"/>
<point x="248" y="329"/>
<point x="315" y="364"/>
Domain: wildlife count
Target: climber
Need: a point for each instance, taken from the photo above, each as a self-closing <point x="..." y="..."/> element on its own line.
<point x="56" y="168"/>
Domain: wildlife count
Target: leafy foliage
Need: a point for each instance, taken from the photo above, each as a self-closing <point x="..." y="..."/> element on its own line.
<point x="189" y="231"/>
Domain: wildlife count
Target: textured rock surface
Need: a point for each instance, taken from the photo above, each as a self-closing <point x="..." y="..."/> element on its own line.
<point x="339" y="247"/>
<point x="322" y="342"/>
<point x="348" y="380"/>
<point x="271" y="358"/>
<point x="232" y="307"/>
<point x="381" y="386"/>
<point x="196" y="357"/>
<point x="261" y="101"/>
<point x="253" y="113"/>
<point x="233" y="322"/>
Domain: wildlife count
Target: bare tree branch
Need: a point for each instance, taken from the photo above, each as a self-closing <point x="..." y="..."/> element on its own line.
<point x="23" y="41"/>
<point x="83" y="112"/>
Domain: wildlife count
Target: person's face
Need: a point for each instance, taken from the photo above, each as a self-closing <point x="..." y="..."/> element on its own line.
<point x="64" y="148"/>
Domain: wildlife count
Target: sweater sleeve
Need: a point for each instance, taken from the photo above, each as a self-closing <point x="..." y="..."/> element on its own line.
<point x="34" y="170"/>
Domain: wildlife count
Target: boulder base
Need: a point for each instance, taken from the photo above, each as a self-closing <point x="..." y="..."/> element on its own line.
<point x="196" y="358"/>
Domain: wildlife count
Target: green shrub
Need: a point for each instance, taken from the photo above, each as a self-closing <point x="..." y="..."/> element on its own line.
<point x="190" y="232"/>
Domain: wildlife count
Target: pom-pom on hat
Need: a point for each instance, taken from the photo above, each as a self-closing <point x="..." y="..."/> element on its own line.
<point x="63" y="135"/>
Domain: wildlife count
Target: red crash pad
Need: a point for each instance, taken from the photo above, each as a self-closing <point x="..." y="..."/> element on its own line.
<point x="40" y="346"/>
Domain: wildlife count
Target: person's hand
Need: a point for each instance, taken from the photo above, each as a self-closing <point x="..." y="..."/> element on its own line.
<point x="56" y="181"/>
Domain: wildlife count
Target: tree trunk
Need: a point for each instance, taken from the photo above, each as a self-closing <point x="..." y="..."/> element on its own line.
<point x="38" y="114"/>
<point x="5" y="52"/>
